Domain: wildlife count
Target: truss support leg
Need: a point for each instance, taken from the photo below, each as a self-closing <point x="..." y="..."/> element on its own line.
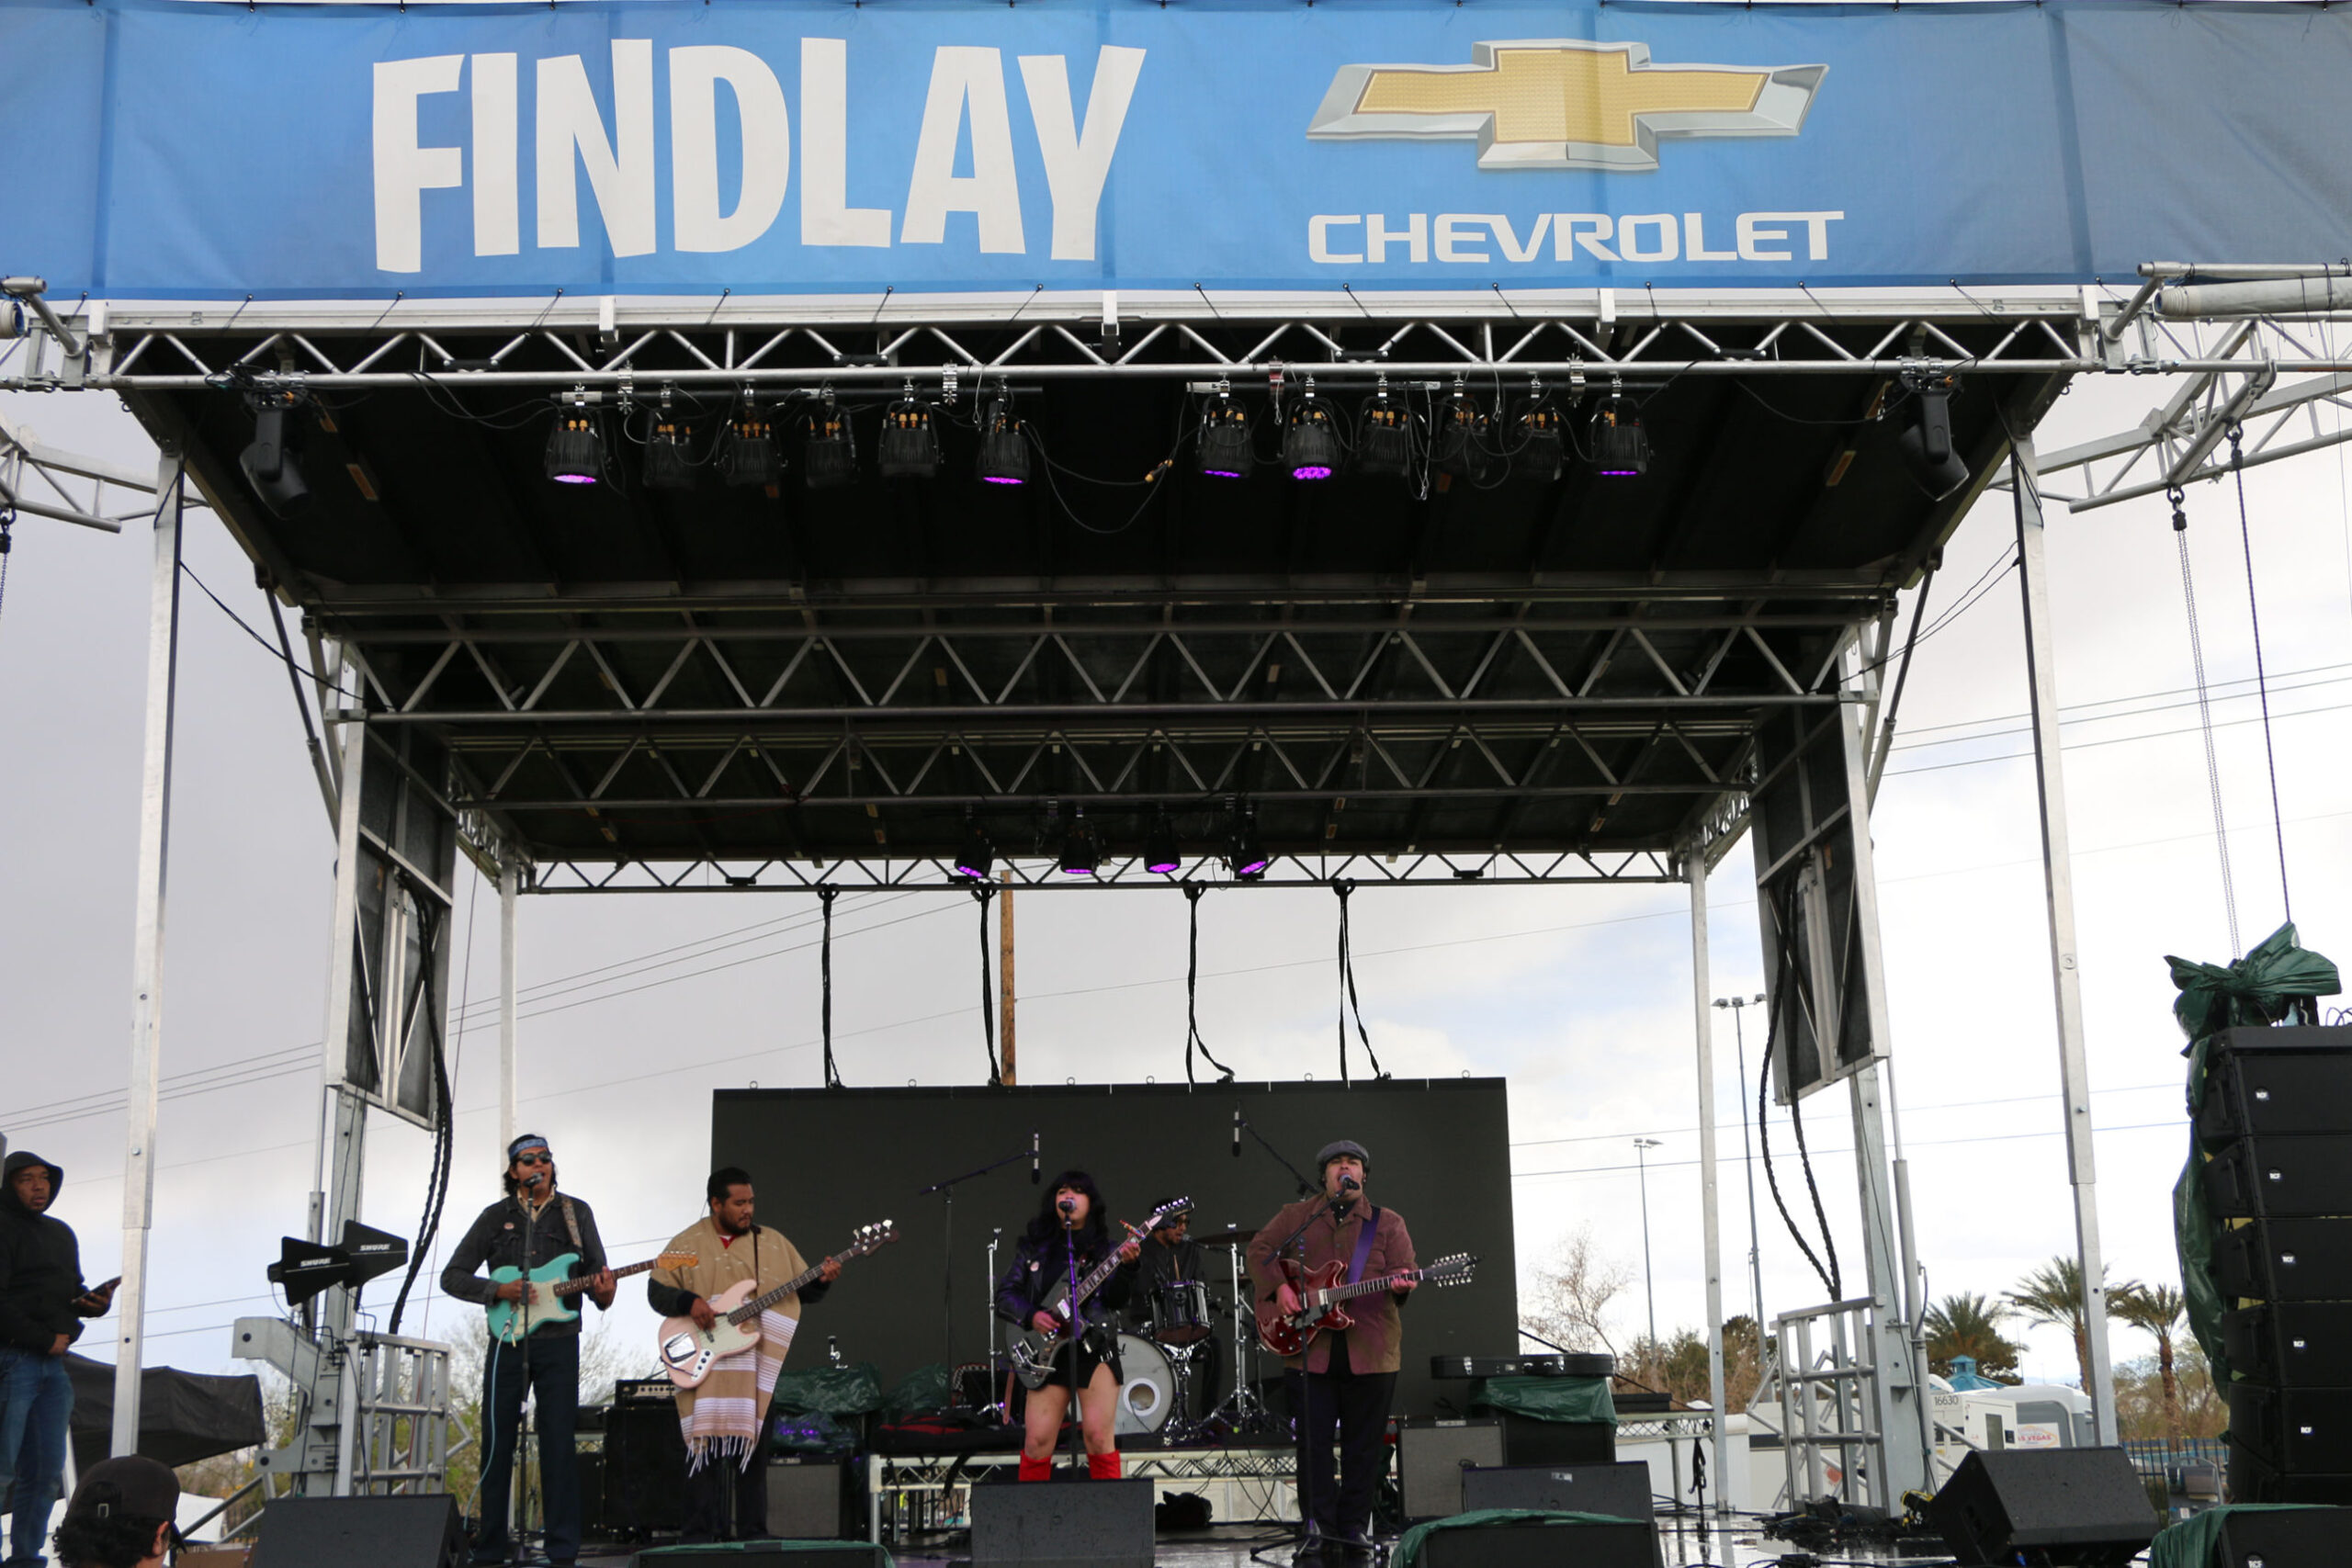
<point x="510" y="887"/>
<point x="343" y="1158"/>
<point x="1695" y="864"/>
<point x="2058" y="881"/>
<point x="147" y="958"/>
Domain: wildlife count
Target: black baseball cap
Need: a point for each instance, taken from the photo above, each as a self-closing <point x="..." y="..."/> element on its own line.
<point x="133" y="1484"/>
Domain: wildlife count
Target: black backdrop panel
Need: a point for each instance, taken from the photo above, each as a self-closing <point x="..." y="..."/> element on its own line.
<point x="826" y="1160"/>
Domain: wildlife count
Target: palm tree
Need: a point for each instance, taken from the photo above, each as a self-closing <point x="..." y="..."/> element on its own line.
<point x="2158" y="1310"/>
<point x="2053" y="1296"/>
<point x="1970" y="1325"/>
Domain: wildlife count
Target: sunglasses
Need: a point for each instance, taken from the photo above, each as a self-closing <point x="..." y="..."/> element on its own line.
<point x="535" y="1158"/>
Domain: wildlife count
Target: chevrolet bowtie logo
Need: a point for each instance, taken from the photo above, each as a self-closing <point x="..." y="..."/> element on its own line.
<point x="1563" y="104"/>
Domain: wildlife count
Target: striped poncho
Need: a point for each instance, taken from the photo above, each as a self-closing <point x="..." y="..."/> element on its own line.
<point x="727" y="1414"/>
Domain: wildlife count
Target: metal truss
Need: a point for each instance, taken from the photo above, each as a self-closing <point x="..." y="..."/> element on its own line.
<point x="38" y="481"/>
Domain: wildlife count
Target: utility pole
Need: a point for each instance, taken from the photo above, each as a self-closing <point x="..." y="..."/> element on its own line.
<point x="1642" y="1147"/>
<point x="1739" y="1005"/>
<point x="1004" y="972"/>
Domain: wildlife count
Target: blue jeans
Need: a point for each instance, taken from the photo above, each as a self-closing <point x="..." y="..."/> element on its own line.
<point x="548" y="1365"/>
<point x="36" y="1401"/>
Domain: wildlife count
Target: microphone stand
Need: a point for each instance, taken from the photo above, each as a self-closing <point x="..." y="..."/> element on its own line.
<point x="946" y="1189"/>
<point x="1305" y="1189"/>
<point x="1077" y="1332"/>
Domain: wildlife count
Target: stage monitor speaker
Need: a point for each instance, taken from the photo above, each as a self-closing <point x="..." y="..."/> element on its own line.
<point x="1069" y="1524"/>
<point x="2286" y="1261"/>
<point x="805" y="1498"/>
<point x="2282" y="1178"/>
<point x="765" y="1554"/>
<point x="2082" y="1506"/>
<point x="2281" y="1540"/>
<point x="645" y="1470"/>
<point x="2271" y="1081"/>
<point x="360" y="1532"/>
<point x="1620" y="1489"/>
<point x="2254" y="1479"/>
<point x="1527" y="1440"/>
<point x="1521" y="1544"/>
<point x="2296" y="1431"/>
<point x="1429" y="1459"/>
<point x="2291" y="1344"/>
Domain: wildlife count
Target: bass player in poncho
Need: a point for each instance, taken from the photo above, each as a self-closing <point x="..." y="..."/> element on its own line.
<point x="724" y="1420"/>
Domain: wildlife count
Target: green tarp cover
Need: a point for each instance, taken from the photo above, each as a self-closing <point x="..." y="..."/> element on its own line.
<point x="853" y="1390"/>
<point x="926" y="1388"/>
<point x="2255" y="990"/>
<point x="1409" y="1547"/>
<point x="2189" y="1544"/>
<point x="1546" y="1399"/>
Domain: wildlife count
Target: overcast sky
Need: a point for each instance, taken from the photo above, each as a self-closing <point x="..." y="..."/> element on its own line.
<point x="1581" y="997"/>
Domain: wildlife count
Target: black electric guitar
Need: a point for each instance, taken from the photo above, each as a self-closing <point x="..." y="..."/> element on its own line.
<point x="1033" y="1352"/>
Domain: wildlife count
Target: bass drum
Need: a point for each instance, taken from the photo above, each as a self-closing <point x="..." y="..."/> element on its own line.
<point x="1147" y="1397"/>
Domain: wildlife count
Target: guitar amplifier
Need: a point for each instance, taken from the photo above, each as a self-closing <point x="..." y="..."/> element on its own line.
<point x="640" y="1393"/>
<point x="1575" y="1365"/>
<point x="1430" y="1457"/>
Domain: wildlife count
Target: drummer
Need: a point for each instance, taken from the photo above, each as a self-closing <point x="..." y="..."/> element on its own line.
<point x="1170" y="1259"/>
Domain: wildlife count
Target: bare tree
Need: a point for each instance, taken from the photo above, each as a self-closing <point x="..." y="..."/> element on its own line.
<point x="1571" y="1302"/>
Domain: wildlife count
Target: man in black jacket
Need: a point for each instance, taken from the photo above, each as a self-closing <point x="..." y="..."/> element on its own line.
<point x="533" y="1225"/>
<point x="42" y="1303"/>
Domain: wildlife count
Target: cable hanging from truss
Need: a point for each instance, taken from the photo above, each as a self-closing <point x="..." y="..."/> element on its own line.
<point x="825" y="897"/>
<point x="1193" y="891"/>
<point x="2261" y="679"/>
<point x="982" y="895"/>
<point x="2205" y="718"/>
<point x="1348" y="1001"/>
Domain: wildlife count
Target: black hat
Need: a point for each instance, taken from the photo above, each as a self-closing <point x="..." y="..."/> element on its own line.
<point x="1344" y="1146"/>
<point x="132" y="1486"/>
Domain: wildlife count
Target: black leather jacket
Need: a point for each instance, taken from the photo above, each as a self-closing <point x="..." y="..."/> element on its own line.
<point x="1036" y="1265"/>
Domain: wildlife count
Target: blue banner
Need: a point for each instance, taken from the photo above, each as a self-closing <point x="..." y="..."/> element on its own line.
<point x="170" y="149"/>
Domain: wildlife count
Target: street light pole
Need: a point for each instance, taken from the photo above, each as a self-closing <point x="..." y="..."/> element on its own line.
<point x="1649" y="1282"/>
<point x="1739" y="1005"/>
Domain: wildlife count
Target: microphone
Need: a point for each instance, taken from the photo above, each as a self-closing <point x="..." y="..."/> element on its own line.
<point x="1350" y="1184"/>
<point x="1035" y="1175"/>
<point x="1236" y="1132"/>
<point x="1069" y="1206"/>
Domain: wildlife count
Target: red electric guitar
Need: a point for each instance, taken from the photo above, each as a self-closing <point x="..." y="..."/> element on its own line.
<point x="1320" y="1293"/>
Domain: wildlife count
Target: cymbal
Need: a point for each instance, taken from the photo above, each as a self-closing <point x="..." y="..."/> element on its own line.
<point x="1225" y="1238"/>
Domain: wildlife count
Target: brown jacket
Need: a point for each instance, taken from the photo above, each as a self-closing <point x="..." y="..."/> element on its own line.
<point x="1376" y="1342"/>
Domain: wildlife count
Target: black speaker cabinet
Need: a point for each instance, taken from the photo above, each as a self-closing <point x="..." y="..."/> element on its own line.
<point x="645" y="1470"/>
<point x="2281" y="1178"/>
<point x="2285" y="1260"/>
<point x="1429" y="1459"/>
<point x="1073" y="1524"/>
<point x="805" y="1498"/>
<point x="1620" y="1489"/>
<point x="1524" y="1545"/>
<point x="2084" y="1506"/>
<point x="1527" y="1440"/>
<point x="360" y="1532"/>
<point x="2292" y="1344"/>
<point x="2296" y="1431"/>
<point x="764" y="1554"/>
<point x="2254" y="1479"/>
<point x="2281" y="1540"/>
<point x="2271" y="1081"/>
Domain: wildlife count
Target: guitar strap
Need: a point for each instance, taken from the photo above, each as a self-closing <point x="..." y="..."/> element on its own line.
<point x="1364" y="1246"/>
<point x="571" y="1222"/>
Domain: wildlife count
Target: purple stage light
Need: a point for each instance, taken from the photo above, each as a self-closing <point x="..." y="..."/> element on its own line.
<point x="1311" y="472"/>
<point x="575" y="478"/>
<point x="1002" y="479"/>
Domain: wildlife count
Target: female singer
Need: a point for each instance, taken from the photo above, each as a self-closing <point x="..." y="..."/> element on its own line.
<point x="1069" y="1233"/>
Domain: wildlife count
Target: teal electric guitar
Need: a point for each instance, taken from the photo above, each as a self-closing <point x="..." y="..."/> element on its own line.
<point x="513" y="1322"/>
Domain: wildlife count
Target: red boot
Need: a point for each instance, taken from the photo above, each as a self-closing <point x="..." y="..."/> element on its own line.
<point x="1035" y="1469"/>
<point x="1104" y="1467"/>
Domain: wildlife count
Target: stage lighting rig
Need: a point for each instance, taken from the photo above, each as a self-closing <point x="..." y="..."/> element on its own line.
<point x="273" y="459"/>
<point x="1081" y="853"/>
<point x="1542" y="448"/>
<point x="1248" y="855"/>
<point x="1384" y="435"/>
<point x="1925" y="441"/>
<point x="1162" y="856"/>
<point x="1226" y="452"/>
<point x="575" y="453"/>
<point x="750" y="455"/>
<point x="1461" y="445"/>
<point x="1310" y="441"/>
<point x="909" y="447"/>
<point x="1621" y="448"/>
<point x="1005" y="444"/>
<point x="977" y="857"/>
<point x="666" y="466"/>
<point x="829" y="457"/>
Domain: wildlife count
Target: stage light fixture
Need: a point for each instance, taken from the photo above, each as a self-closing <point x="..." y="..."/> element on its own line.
<point x="909" y="448"/>
<point x="1310" y="441"/>
<point x="1543" y="448"/>
<point x="1384" y="436"/>
<point x="829" y="457"/>
<point x="978" y="855"/>
<point x="1621" y="448"/>
<point x="575" y="453"/>
<point x="1460" y="445"/>
<point x="665" y="457"/>
<point x="304" y="1269"/>
<point x="1004" y="446"/>
<point x="1080" y="851"/>
<point x="1226" y="452"/>
<point x="1160" y="855"/>
<point x="273" y="459"/>
<point x="1926" y="442"/>
<point x="1248" y="855"/>
<point x="370" y="1252"/>
<point x="750" y="457"/>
